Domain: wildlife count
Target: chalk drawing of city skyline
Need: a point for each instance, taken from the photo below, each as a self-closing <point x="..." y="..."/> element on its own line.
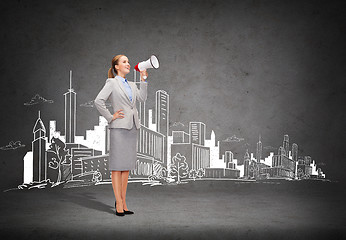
<point x="164" y="156"/>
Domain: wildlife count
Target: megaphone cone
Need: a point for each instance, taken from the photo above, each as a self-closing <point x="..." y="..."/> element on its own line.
<point x="152" y="62"/>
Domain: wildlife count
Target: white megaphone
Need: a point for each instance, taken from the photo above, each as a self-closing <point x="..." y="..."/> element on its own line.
<point x="152" y="62"/>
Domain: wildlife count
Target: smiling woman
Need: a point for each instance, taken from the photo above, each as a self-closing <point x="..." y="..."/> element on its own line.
<point x="123" y="125"/>
<point x="117" y="64"/>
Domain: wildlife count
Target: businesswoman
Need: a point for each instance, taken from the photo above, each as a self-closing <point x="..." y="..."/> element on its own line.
<point x="123" y="125"/>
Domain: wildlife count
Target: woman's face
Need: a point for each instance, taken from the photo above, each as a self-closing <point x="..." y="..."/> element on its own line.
<point x="123" y="66"/>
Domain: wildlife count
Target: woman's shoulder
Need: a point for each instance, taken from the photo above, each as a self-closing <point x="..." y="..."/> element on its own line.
<point x="110" y="80"/>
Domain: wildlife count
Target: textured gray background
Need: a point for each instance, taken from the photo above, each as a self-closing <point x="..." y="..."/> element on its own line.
<point x="241" y="67"/>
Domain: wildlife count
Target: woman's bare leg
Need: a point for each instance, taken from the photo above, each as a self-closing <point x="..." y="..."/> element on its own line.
<point x="124" y="177"/>
<point x="117" y="188"/>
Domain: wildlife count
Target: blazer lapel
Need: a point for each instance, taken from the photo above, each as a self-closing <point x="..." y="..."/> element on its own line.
<point x="121" y="85"/>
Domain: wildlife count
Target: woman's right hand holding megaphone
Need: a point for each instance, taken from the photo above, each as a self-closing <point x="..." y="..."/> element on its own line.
<point x="144" y="75"/>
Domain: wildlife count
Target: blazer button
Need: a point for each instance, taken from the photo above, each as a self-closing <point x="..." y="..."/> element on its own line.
<point x="131" y="107"/>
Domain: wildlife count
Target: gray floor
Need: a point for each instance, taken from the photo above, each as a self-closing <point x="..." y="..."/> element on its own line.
<point x="197" y="210"/>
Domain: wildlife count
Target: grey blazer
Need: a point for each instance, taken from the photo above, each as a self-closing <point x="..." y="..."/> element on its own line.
<point x="116" y="92"/>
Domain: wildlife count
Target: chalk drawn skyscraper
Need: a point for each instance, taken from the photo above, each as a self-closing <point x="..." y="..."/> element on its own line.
<point x="39" y="151"/>
<point x="162" y="112"/>
<point x="286" y="145"/>
<point x="246" y="164"/>
<point x="259" y="150"/>
<point x="295" y="152"/>
<point x="70" y="113"/>
<point x="162" y="117"/>
<point x="197" y="133"/>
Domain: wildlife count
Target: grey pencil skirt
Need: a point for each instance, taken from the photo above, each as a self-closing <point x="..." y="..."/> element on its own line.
<point x="122" y="149"/>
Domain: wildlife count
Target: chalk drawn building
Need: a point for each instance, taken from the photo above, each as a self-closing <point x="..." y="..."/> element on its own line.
<point x="39" y="151"/>
<point x="150" y="151"/>
<point x="78" y="152"/>
<point x="96" y="164"/>
<point x="191" y="146"/>
<point x="221" y="173"/>
<point x="259" y="150"/>
<point x="70" y="113"/>
<point x="250" y="166"/>
<point x="162" y="118"/>
<point x="283" y="166"/>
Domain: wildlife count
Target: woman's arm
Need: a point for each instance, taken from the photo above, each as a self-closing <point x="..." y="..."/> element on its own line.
<point x="142" y="93"/>
<point x="100" y="100"/>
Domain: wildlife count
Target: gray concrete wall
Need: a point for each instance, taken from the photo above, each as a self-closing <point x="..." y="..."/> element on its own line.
<point x="241" y="67"/>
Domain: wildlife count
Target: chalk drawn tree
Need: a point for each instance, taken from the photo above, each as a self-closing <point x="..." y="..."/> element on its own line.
<point x="193" y="174"/>
<point x="201" y="173"/>
<point x="300" y="173"/>
<point x="179" y="167"/>
<point x="57" y="156"/>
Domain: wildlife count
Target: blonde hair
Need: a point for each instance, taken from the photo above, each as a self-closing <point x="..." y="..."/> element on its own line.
<point x="115" y="61"/>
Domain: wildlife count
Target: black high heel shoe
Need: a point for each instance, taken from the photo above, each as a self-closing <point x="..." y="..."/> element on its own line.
<point x="125" y="212"/>
<point x="116" y="212"/>
<point x="128" y="212"/>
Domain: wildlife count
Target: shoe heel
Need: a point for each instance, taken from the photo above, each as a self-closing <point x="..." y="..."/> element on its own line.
<point x="116" y="212"/>
<point x="119" y="213"/>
